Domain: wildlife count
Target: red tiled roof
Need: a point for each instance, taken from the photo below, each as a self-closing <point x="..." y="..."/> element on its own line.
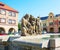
<point x="6" y="7"/>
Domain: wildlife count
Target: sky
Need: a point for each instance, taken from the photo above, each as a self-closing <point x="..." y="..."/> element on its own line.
<point x="34" y="7"/>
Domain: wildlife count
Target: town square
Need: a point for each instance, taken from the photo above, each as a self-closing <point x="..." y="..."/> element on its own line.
<point x="29" y="25"/>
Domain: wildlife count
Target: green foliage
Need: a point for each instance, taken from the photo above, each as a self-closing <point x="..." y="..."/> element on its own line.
<point x="19" y="26"/>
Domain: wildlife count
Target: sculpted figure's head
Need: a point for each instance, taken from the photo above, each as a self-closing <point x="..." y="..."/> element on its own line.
<point x="27" y="16"/>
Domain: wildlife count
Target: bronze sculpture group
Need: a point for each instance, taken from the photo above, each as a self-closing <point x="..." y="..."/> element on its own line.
<point x="30" y="25"/>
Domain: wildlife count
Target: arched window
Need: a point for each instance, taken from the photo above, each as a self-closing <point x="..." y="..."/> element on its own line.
<point x="2" y="30"/>
<point x="11" y="31"/>
<point x="51" y="30"/>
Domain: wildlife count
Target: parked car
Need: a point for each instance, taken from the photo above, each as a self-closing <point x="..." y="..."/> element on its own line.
<point x="44" y="32"/>
<point x="3" y="34"/>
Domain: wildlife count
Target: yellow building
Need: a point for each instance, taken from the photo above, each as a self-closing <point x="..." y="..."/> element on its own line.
<point x="8" y="19"/>
<point x="51" y="23"/>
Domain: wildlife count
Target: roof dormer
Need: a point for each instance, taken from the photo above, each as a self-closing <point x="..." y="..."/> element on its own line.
<point x="51" y="15"/>
<point x="1" y="4"/>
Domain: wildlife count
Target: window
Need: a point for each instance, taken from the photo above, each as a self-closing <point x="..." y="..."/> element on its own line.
<point x="2" y="11"/>
<point x="13" y="21"/>
<point x="51" y="23"/>
<point x="44" y="24"/>
<point x="50" y="16"/>
<point x="10" y="13"/>
<point x="13" y="14"/>
<point x="59" y="22"/>
<point x="2" y="20"/>
<point x="10" y="21"/>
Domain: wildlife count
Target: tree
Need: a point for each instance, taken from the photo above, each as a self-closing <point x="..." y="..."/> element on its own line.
<point x="19" y="26"/>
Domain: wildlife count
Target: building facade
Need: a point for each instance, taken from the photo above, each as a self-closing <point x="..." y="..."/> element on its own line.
<point x="8" y="19"/>
<point x="51" y="23"/>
